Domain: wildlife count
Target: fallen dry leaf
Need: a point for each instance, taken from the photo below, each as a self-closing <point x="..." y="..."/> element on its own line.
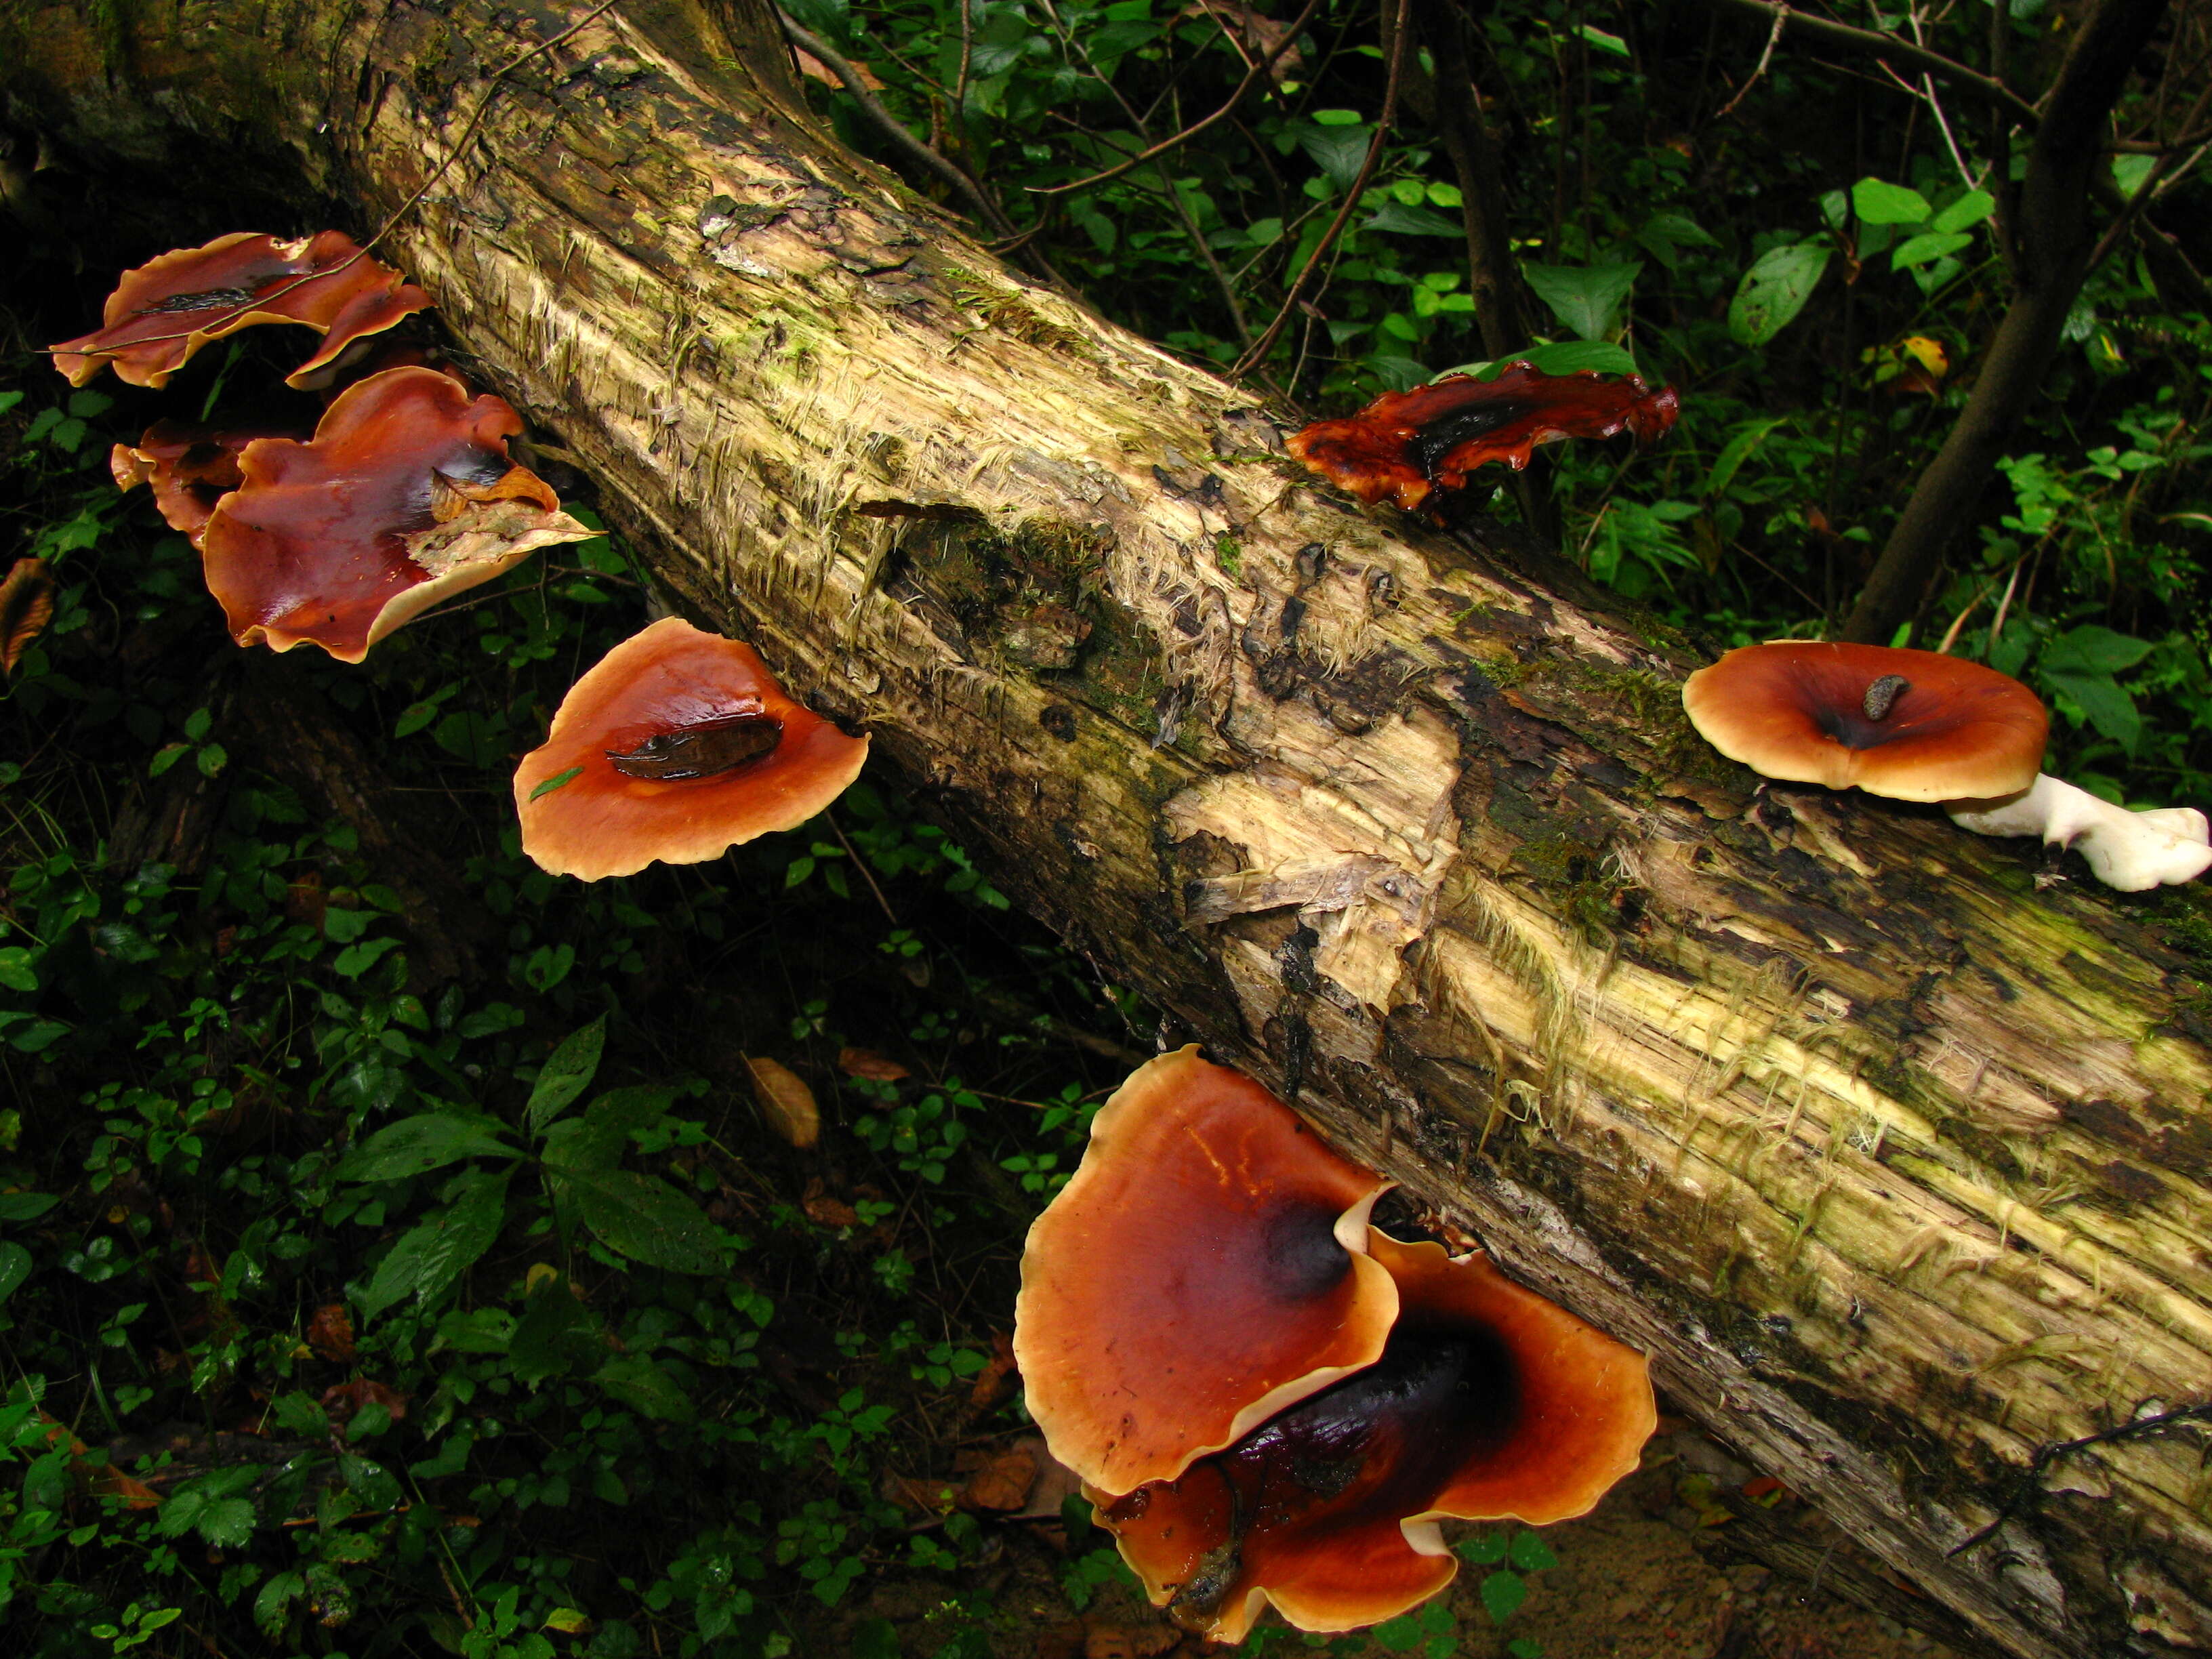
<point x="786" y="1101"/>
<point x="918" y="1496"/>
<point x="26" y="605"/>
<point x="815" y="69"/>
<point x="867" y="1063"/>
<point x="347" y="1398"/>
<point x="1054" y="1485"/>
<point x="1003" y="1483"/>
<point x="1105" y="1641"/>
<point x="825" y="1210"/>
<point x="997" y="1378"/>
<point x="330" y="1331"/>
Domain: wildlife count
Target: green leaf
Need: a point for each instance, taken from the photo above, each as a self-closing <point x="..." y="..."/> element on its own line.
<point x="213" y="1507"/>
<point x="1399" y="1634"/>
<point x="1586" y="298"/>
<point x="427" y="1141"/>
<point x="643" y="1217"/>
<point x="26" y="1207"/>
<point x="1774" y="291"/>
<point x="555" y="1334"/>
<point x="430" y="1257"/>
<point x="2090" y="649"/>
<point x="1966" y="213"/>
<point x="599" y="1138"/>
<point x="1413" y="222"/>
<point x="1664" y="235"/>
<point x="2128" y="172"/>
<point x="416" y="715"/>
<point x="1604" y="42"/>
<point x="16" y="970"/>
<point x="1338" y="152"/>
<point x="559" y="780"/>
<point x="1483" y="1549"/>
<point x="567" y="1073"/>
<point x="357" y="959"/>
<point x="1530" y="1553"/>
<point x="875" y="1639"/>
<point x="637" y="1382"/>
<point x="1878" y="203"/>
<point x="1503" y="1593"/>
<point x="2109" y="709"/>
<point x="1524" y="1647"/>
<point x="14" y="1267"/>
<point x="1926" y="248"/>
<point x="1738" y="449"/>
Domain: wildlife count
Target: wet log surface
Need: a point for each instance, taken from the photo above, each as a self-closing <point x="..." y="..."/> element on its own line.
<point x="1898" y="1166"/>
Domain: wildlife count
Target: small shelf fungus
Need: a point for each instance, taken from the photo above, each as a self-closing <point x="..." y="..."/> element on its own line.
<point x="404" y="496"/>
<point x="1406" y="445"/>
<point x="1488" y="1402"/>
<point x="164" y="311"/>
<point x="191" y="467"/>
<point x="677" y="745"/>
<point x="1910" y="725"/>
<point x="2129" y="851"/>
<point x="1205" y="1268"/>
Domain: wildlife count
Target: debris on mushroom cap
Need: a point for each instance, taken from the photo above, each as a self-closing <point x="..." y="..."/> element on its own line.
<point x="1207" y="1266"/>
<point x="2129" y="851"/>
<point x="191" y="467"/>
<point x="1910" y="725"/>
<point x="643" y="764"/>
<point x="404" y="496"/>
<point x="1490" y="1402"/>
<point x="167" y="309"/>
<point x="1407" y="444"/>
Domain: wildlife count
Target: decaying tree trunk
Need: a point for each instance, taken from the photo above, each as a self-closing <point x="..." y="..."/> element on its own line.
<point x="1899" y="1167"/>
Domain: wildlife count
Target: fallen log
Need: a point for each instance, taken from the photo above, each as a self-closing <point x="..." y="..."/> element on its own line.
<point x="1897" y="1162"/>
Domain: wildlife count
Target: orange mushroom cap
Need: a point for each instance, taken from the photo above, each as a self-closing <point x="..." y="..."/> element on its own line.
<point x="167" y="309"/>
<point x="660" y="743"/>
<point x="1205" y="1268"/>
<point x="1910" y="725"/>
<point x="1404" y="445"/>
<point x="405" y="494"/>
<point x="1490" y="1402"/>
<point x="191" y="468"/>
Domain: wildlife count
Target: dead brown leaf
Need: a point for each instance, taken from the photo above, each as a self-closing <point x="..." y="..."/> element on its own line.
<point x="1054" y="1485"/>
<point x="815" y="69"/>
<point x="330" y="1331"/>
<point x="347" y="1398"/>
<point x="26" y="605"/>
<point x="997" y="1378"/>
<point x="867" y="1063"/>
<point x="786" y="1101"/>
<point x="918" y="1496"/>
<point x="825" y="1210"/>
<point x="1003" y="1483"/>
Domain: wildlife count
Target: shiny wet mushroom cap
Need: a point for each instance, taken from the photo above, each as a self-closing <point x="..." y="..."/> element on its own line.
<point x="1206" y="1267"/>
<point x="1910" y="725"/>
<point x="1489" y="1402"/>
<point x="164" y="311"/>
<point x="677" y="745"/>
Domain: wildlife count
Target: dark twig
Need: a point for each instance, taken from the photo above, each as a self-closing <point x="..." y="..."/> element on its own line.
<point x="2031" y="1478"/>
<point x="1842" y="37"/>
<point x="1260" y="347"/>
<point x="1251" y="78"/>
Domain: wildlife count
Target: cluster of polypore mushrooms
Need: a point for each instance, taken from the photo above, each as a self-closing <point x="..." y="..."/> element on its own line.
<point x="1269" y="1400"/>
<point x="1920" y="725"/>
<point x="678" y="746"/>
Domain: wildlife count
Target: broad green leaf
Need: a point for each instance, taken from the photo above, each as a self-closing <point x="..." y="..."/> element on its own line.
<point x="1738" y="449"/>
<point x="2129" y="172"/>
<point x="1413" y="220"/>
<point x="2109" y="709"/>
<point x="1664" y="235"/>
<point x="642" y="1218"/>
<point x="1560" y="357"/>
<point x="600" y="1136"/>
<point x="427" y="1141"/>
<point x="213" y="1506"/>
<point x="555" y="1334"/>
<point x="636" y="1381"/>
<point x="1926" y="248"/>
<point x="1530" y="1553"/>
<point x="1397" y="1635"/>
<point x="1586" y="298"/>
<point x="2093" y="649"/>
<point x="1604" y="42"/>
<point x="428" y="1258"/>
<point x="1966" y="213"/>
<point x="26" y="1207"/>
<point x="1774" y="291"/>
<point x="1879" y="204"/>
<point x="16" y="970"/>
<point x="568" y="1071"/>
<point x="1503" y="1593"/>
<point x="1338" y="152"/>
<point x="1483" y="1549"/>
<point x="14" y="1267"/>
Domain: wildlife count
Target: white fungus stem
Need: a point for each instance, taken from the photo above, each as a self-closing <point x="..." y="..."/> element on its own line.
<point x="2127" y="850"/>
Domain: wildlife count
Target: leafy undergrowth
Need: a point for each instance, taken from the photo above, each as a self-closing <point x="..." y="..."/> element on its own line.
<point x="396" y="1255"/>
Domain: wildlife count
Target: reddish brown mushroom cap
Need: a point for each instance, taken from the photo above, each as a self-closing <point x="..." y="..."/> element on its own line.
<point x="659" y="693"/>
<point x="1490" y="1402"/>
<point x="167" y="309"/>
<point x="191" y="467"/>
<point x="404" y="496"/>
<point x="1910" y="725"/>
<point x="1205" y="1268"/>
<point x="1407" y="444"/>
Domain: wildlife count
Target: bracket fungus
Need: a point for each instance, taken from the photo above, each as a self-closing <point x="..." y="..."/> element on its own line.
<point x="677" y="745"/>
<point x="1408" y="445"/>
<point x="1489" y="1402"/>
<point x="1205" y="1268"/>
<point x="1910" y="725"/>
<point x="2129" y="851"/>
<point x="191" y="467"/>
<point x="164" y="311"/>
<point x="405" y="494"/>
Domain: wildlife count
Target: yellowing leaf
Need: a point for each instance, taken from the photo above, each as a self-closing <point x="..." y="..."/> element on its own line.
<point x="786" y="1101"/>
<point x="1928" y="352"/>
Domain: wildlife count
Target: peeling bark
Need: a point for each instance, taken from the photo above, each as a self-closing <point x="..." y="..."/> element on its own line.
<point x="1899" y="1169"/>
